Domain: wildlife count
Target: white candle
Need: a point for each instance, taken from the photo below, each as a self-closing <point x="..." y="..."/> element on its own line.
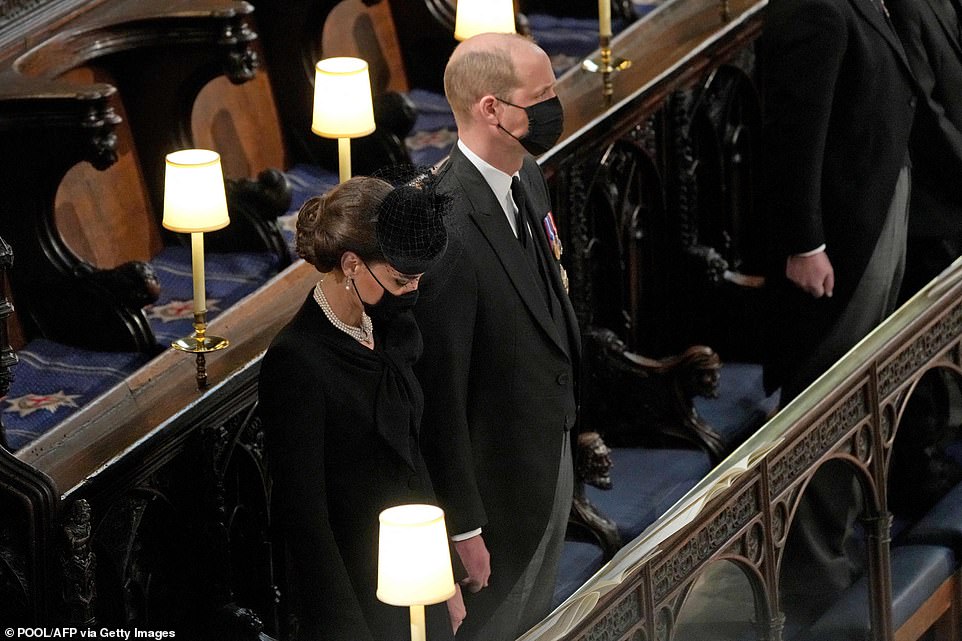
<point x="197" y="251"/>
<point x="604" y="18"/>
<point x="344" y="159"/>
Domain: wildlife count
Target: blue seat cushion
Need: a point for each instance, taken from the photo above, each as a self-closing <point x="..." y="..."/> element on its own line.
<point x="579" y="561"/>
<point x="942" y="525"/>
<point x="917" y="572"/>
<point x="645" y="483"/>
<point x="229" y="277"/>
<point x="434" y="132"/>
<point x="52" y="381"/>
<point x="306" y="181"/>
<point x="741" y="406"/>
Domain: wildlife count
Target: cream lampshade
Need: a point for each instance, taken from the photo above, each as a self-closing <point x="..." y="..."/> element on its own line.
<point x="483" y="16"/>
<point x="343" y="107"/>
<point x="195" y="202"/>
<point x="414" y="561"/>
<point x="194" y="197"/>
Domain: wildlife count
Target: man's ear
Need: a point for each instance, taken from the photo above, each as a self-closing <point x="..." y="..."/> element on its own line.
<point x="489" y="106"/>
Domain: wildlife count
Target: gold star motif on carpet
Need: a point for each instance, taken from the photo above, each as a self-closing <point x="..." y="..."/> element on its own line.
<point x="29" y="403"/>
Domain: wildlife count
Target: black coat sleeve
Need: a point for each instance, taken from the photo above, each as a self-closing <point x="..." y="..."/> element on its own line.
<point x="933" y="61"/>
<point x="801" y="53"/>
<point x="292" y="407"/>
<point x="447" y="312"/>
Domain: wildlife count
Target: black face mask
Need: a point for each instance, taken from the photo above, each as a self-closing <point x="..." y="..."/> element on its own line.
<point x="546" y="121"/>
<point x="390" y="304"/>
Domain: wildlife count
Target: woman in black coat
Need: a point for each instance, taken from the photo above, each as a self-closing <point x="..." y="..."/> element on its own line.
<point x="341" y="406"/>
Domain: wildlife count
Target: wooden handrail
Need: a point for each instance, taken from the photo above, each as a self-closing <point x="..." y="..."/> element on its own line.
<point x="163" y="393"/>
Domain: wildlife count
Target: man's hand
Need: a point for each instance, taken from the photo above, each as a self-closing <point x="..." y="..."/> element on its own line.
<point x="456" y="611"/>
<point x="476" y="561"/>
<point x="812" y="274"/>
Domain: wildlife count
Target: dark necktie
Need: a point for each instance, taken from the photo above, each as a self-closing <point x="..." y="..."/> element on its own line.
<point x="884" y="11"/>
<point x="517" y="193"/>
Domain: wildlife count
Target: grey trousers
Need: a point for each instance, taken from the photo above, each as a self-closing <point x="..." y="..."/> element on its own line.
<point x="875" y="295"/>
<point x="530" y="598"/>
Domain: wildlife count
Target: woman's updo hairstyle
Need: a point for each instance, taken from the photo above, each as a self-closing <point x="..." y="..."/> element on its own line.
<point x="341" y="220"/>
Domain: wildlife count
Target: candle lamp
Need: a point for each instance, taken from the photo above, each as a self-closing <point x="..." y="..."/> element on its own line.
<point x="483" y="16"/>
<point x="414" y="561"/>
<point x="606" y="64"/>
<point x="194" y="203"/>
<point x="343" y="107"/>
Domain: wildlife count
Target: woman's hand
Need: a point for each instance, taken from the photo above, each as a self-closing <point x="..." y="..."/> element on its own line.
<point x="456" y="609"/>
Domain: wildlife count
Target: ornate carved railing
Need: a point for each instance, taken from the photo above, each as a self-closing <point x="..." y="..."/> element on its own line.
<point x="743" y="510"/>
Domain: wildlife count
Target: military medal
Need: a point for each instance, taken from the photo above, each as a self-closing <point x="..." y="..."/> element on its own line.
<point x="553" y="238"/>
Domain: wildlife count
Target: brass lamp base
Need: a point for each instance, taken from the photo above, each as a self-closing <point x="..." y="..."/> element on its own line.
<point x="200" y="343"/>
<point x="595" y="65"/>
<point x="606" y="65"/>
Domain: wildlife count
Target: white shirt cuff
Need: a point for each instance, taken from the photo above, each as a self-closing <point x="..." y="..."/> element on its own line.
<point x="817" y="250"/>
<point x="464" y="536"/>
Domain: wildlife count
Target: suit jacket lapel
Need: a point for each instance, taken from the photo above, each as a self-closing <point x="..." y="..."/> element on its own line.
<point x="884" y="27"/>
<point x="941" y="9"/>
<point x="488" y="215"/>
<point x="539" y="232"/>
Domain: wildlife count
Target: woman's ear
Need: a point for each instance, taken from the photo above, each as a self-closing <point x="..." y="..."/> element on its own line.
<point x="349" y="263"/>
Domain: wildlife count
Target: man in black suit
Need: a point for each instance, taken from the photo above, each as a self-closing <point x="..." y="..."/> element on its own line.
<point x="932" y="36"/>
<point x="839" y="100"/>
<point x="501" y="341"/>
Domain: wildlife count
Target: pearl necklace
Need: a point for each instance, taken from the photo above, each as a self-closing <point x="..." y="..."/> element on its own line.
<point x="362" y="334"/>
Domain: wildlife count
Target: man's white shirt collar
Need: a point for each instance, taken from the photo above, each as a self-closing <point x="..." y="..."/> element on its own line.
<point x="498" y="181"/>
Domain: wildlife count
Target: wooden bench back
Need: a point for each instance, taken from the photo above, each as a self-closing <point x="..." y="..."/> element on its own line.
<point x="106" y="217"/>
<point x="241" y="123"/>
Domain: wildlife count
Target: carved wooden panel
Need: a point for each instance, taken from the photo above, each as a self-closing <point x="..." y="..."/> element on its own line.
<point x="920" y="350"/>
<point x="705" y="541"/>
<point x="618" y="621"/>
<point x="819" y="440"/>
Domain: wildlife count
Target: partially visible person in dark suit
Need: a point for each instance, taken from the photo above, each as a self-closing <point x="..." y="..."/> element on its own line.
<point x="931" y="32"/>
<point x="341" y="406"/>
<point x="838" y="101"/>
<point x="502" y="343"/>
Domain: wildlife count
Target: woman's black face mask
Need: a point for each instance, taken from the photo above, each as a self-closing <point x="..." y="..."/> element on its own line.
<point x="390" y="305"/>
<point x="546" y="121"/>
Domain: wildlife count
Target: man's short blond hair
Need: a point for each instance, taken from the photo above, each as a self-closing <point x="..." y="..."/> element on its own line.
<point x="480" y="71"/>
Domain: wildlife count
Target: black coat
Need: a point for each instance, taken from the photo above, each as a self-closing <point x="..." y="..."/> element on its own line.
<point x="839" y="101"/>
<point x="930" y="35"/>
<point x="335" y="467"/>
<point x="498" y="376"/>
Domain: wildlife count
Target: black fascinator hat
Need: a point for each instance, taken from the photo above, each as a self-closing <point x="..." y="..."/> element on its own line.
<point x="410" y="225"/>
